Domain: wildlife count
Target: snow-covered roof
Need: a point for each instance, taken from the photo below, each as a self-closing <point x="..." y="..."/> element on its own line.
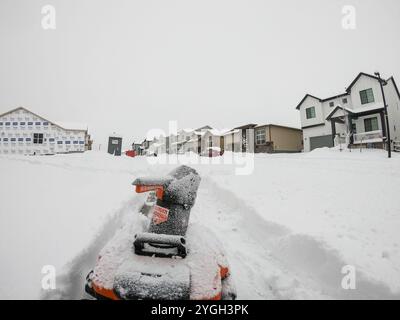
<point x="187" y="130"/>
<point x="72" y="125"/>
<point x="115" y="135"/>
<point x="61" y="124"/>
<point x="370" y="107"/>
<point x="231" y="132"/>
<point x="218" y="132"/>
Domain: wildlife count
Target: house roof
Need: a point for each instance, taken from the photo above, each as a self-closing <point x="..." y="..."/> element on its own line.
<point x="73" y="125"/>
<point x="335" y="97"/>
<point x="219" y="132"/>
<point x="247" y="126"/>
<point x="61" y="125"/>
<point x="186" y="130"/>
<point x="358" y="77"/>
<point x="206" y="127"/>
<point x="233" y="131"/>
<point x="360" y="110"/>
<point x="348" y="89"/>
<point x="395" y="86"/>
<point x="277" y="125"/>
<point x="305" y="97"/>
<point x="115" y="135"/>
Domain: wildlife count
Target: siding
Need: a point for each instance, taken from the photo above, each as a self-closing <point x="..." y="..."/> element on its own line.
<point x="280" y="139"/>
<point x="18" y="138"/>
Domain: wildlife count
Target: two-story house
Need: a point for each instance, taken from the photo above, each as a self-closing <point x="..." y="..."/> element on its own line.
<point x="354" y="118"/>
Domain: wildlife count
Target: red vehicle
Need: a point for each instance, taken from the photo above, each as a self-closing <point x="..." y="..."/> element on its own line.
<point x="212" y="152"/>
<point x="130" y="153"/>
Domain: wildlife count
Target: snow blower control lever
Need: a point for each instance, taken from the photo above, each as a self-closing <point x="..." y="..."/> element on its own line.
<point x="176" y="195"/>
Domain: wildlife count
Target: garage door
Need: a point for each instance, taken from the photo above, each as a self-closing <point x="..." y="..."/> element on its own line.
<point x="321" y="141"/>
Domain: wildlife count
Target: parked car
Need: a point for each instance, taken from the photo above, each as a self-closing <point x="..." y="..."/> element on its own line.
<point x="212" y="152"/>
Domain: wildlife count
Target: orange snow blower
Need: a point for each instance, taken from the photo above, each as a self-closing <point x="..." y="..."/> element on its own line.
<point x="168" y="259"/>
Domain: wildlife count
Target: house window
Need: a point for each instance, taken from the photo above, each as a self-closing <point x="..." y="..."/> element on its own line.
<point x="371" y="124"/>
<point x="367" y="96"/>
<point x="28" y="139"/>
<point x="354" y="128"/>
<point x="37" y="123"/>
<point x="67" y="142"/>
<point x="310" y="113"/>
<point x="8" y="124"/>
<point x="331" y="104"/>
<point x="260" y="136"/>
<point x="1" y="123"/>
<point x="12" y="139"/>
<point x="22" y="123"/>
<point x="81" y="142"/>
<point x="38" y="138"/>
<point x="210" y="141"/>
<point x="30" y="123"/>
<point x="59" y="142"/>
<point x="344" y="100"/>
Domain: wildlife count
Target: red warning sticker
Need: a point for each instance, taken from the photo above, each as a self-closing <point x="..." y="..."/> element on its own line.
<point x="160" y="214"/>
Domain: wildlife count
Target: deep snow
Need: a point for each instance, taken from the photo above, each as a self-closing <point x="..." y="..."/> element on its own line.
<point x="288" y="228"/>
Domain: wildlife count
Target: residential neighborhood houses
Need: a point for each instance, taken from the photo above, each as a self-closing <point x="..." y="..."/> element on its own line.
<point x="208" y="141"/>
<point x="355" y="118"/>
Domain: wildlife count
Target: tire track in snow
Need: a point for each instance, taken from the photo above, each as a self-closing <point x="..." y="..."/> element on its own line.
<point x="288" y="265"/>
<point x="70" y="284"/>
<point x="268" y="261"/>
<point x="258" y="275"/>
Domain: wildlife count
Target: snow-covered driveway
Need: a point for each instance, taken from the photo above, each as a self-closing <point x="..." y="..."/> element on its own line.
<point x="288" y="228"/>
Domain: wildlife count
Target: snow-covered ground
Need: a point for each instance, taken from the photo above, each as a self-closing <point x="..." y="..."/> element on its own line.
<point x="288" y="228"/>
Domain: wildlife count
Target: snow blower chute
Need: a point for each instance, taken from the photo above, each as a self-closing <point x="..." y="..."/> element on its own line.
<point x="168" y="259"/>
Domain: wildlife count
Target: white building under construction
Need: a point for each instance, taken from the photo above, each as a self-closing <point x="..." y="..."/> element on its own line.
<point x="24" y="132"/>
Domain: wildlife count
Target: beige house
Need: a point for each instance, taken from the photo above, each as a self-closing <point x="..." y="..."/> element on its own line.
<point x="271" y="138"/>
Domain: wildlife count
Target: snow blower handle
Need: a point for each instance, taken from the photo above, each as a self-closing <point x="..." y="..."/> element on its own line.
<point x="150" y="184"/>
<point x="160" y="245"/>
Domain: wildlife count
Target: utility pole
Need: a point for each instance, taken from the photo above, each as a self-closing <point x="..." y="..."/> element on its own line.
<point x="386" y="115"/>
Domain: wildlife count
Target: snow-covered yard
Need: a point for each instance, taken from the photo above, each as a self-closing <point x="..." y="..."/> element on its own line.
<point x="288" y="228"/>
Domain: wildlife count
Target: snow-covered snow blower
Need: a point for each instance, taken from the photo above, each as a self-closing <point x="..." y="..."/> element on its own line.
<point x="168" y="259"/>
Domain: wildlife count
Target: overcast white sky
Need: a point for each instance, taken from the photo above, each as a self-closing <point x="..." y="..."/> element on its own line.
<point x="129" y="66"/>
